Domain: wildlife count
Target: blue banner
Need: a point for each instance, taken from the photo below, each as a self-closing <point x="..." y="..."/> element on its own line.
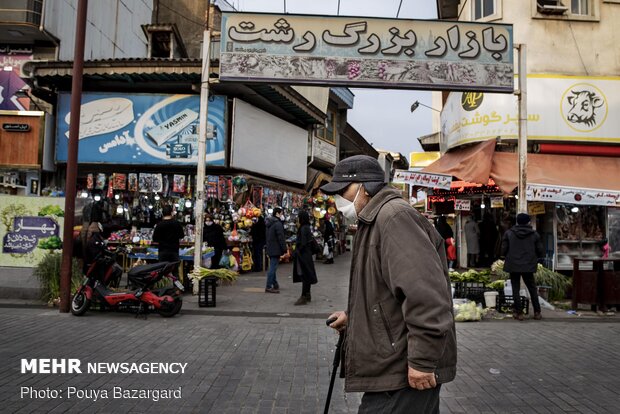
<point x="119" y="128"/>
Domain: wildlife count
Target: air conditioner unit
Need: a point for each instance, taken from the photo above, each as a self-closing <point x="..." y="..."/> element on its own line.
<point x="551" y="7"/>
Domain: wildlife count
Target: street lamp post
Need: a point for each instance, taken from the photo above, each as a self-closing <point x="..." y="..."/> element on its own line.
<point x="416" y="104"/>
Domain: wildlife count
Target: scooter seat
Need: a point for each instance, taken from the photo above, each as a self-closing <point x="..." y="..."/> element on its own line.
<point x="145" y="270"/>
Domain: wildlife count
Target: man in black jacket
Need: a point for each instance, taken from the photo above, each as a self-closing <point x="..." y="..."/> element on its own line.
<point x="276" y="247"/>
<point x="522" y="247"/>
<point x="168" y="234"/>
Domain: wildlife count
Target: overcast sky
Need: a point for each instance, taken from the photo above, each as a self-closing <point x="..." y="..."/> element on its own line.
<point x="383" y="117"/>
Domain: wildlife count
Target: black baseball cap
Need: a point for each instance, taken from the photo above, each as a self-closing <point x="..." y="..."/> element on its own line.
<point x="356" y="169"/>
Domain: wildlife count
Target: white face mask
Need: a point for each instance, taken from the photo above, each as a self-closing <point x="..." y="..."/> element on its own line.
<point x="208" y="223"/>
<point x="346" y="207"/>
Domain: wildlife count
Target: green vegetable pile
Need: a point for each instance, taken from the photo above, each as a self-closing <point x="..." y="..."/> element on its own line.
<point x="557" y="282"/>
<point x="51" y="210"/>
<point x="50" y="243"/>
<point x="471" y="275"/>
<point x="224" y="275"/>
<point x="467" y="312"/>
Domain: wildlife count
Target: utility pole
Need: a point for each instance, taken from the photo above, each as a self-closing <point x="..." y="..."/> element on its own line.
<point x="72" y="157"/>
<point x="522" y="143"/>
<point x="202" y="139"/>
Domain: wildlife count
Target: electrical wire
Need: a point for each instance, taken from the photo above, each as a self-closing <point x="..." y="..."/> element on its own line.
<point x="577" y="47"/>
<point x="181" y="15"/>
<point x="399" y="5"/>
<point x="462" y="8"/>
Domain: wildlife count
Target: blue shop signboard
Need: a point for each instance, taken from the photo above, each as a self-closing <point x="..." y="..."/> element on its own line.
<point x="142" y="129"/>
<point x="29" y="233"/>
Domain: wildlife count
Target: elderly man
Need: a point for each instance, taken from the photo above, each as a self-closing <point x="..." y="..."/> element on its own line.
<point x="401" y="342"/>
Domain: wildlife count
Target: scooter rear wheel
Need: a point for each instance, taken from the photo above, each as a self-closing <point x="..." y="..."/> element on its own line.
<point x="79" y="304"/>
<point x="170" y="311"/>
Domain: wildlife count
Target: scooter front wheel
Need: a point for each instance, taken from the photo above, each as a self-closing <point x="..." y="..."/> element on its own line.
<point x="79" y="304"/>
<point x="171" y="310"/>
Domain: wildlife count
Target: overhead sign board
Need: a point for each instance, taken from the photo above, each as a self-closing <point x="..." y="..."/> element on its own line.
<point x="560" y="108"/>
<point x="571" y="195"/>
<point x="420" y="179"/>
<point x="366" y="52"/>
<point x="118" y="128"/>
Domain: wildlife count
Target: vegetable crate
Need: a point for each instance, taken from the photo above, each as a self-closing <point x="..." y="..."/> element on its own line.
<point x="206" y="292"/>
<point x="505" y="303"/>
<point x="470" y="290"/>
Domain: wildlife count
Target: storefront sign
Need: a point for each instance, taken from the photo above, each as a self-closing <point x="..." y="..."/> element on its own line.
<point x="535" y="208"/>
<point x="462" y="205"/>
<point x="497" y="202"/>
<point x="537" y="192"/>
<point x="11" y="60"/>
<point x="15" y="127"/>
<point x="352" y="51"/>
<point x="324" y="150"/>
<point x="423" y="179"/>
<point x="142" y="129"/>
<point x="29" y="227"/>
<point x="567" y="108"/>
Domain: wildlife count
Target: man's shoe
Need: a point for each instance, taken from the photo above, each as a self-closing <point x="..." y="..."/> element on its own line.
<point x="272" y="290"/>
<point x="308" y="297"/>
<point x="537" y="316"/>
<point x="517" y="316"/>
<point x="276" y="286"/>
<point x="301" y="301"/>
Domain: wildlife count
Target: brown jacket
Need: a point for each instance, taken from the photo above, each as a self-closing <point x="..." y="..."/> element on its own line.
<point x="400" y="305"/>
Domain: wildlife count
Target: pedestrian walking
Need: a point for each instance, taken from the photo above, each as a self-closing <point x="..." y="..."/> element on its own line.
<point x="276" y="247"/>
<point x="401" y="340"/>
<point x="328" y="237"/>
<point x="168" y="234"/>
<point x="303" y="264"/>
<point x="472" y="239"/>
<point x="213" y="235"/>
<point x="451" y="253"/>
<point x="258" y="242"/>
<point x="522" y="247"/>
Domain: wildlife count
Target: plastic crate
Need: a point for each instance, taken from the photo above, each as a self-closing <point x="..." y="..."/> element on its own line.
<point x="505" y="303"/>
<point x="206" y="292"/>
<point x="475" y="293"/>
<point x="463" y="290"/>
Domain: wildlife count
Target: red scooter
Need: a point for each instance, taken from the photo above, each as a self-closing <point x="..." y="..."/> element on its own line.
<point x="166" y="301"/>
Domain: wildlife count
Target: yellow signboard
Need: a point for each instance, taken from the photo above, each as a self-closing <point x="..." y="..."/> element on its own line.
<point x="423" y="159"/>
<point x="535" y="208"/>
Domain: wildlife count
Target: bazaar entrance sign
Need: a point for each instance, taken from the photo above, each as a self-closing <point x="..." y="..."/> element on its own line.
<point x="366" y="52"/>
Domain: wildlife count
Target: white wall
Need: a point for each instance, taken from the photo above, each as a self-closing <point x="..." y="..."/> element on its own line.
<point x="565" y="46"/>
<point x="112" y="31"/>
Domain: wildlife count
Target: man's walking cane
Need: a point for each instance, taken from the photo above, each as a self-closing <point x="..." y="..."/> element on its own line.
<point x="335" y="366"/>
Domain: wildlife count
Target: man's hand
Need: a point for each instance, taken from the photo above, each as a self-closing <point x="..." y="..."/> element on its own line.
<point x="421" y="380"/>
<point x="341" y="320"/>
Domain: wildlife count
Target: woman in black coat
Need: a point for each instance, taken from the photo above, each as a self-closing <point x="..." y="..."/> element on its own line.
<point x="213" y="235"/>
<point x="303" y="264"/>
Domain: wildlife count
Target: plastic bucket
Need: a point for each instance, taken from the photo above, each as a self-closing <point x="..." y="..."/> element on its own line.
<point x="490" y="299"/>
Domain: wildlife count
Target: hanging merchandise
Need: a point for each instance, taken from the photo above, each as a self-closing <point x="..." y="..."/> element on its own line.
<point x="110" y="192"/>
<point x="240" y="184"/>
<point x="120" y="181"/>
<point x="145" y="182"/>
<point x="246" y="261"/>
<point x="211" y="186"/>
<point x="257" y="195"/>
<point x="279" y="197"/>
<point x="165" y="186"/>
<point x="90" y="184"/>
<point x="133" y="182"/>
<point x="158" y="185"/>
<point x="178" y="183"/>
<point x="101" y="182"/>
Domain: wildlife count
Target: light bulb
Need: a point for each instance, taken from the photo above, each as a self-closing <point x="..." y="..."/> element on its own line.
<point x="483" y="205"/>
<point x="119" y="209"/>
<point x="517" y="196"/>
<point x="157" y="197"/>
<point x="84" y="194"/>
<point x="575" y="209"/>
<point x="116" y="196"/>
<point x="150" y="206"/>
<point x="97" y="197"/>
<point x="188" y="204"/>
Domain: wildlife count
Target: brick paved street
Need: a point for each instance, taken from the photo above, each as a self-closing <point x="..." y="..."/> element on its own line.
<point x="281" y="365"/>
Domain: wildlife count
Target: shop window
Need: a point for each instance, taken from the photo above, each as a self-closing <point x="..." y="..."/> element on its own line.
<point x="614" y="230"/>
<point x="328" y="131"/>
<point x="486" y="10"/>
<point x="580" y="231"/>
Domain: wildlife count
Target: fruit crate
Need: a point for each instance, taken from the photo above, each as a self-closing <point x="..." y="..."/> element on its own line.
<point x="470" y="290"/>
<point x="505" y="304"/>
